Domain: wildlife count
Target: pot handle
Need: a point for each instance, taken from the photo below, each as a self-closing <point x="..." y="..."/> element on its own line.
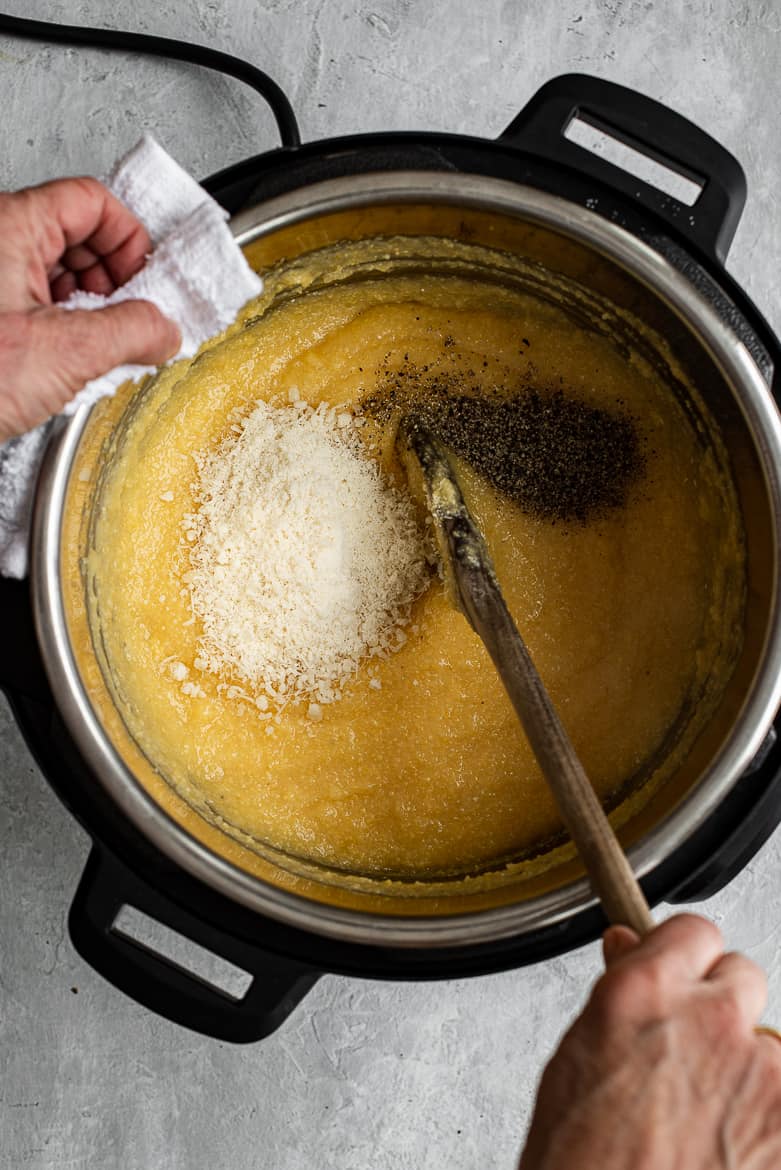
<point x="650" y="128"/>
<point x="151" y="979"/>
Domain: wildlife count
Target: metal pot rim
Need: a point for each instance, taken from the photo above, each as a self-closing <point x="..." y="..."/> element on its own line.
<point x="467" y="929"/>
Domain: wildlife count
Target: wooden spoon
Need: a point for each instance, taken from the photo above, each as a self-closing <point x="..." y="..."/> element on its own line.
<point x="474" y="589"/>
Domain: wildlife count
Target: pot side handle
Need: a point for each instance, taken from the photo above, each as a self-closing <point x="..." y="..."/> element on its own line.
<point x="278" y="984"/>
<point x="650" y="128"/>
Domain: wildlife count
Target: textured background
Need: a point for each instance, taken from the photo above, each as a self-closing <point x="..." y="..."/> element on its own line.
<point x="380" y="1075"/>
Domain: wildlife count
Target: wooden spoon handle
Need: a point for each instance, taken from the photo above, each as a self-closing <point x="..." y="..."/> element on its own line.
<point x="471" y="581"/>
<point x="605" y="862"/>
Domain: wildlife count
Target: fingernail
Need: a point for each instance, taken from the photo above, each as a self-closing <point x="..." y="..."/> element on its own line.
<point x="616" y="941"/>
<point x="175" y="337"/>
<point x="610" y="944"/>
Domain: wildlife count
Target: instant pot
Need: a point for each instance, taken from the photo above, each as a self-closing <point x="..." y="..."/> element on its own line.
<point x="621" y="237"/>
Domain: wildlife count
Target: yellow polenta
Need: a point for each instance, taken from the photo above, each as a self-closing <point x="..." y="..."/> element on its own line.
<point x="628" y="617"/>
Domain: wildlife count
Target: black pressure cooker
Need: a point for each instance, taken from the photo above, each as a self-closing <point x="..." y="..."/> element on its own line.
<point x="672" y="257"/>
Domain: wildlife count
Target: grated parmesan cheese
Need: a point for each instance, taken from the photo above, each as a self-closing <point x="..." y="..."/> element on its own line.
<point x="304" y="560"/>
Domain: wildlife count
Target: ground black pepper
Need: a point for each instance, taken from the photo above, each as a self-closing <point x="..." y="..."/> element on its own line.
<point x="556" y="456"/>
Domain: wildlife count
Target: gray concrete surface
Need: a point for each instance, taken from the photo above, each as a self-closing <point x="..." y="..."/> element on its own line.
<point x="364" y="1075"/>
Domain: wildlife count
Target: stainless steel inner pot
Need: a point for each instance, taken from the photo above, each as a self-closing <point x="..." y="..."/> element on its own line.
<point x="610" y="261"/>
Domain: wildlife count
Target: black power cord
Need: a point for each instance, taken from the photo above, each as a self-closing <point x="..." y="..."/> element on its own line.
<point x="104" y="38"/>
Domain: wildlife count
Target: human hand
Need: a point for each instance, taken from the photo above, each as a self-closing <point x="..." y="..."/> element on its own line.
<point x="663" y="1070"/>
<point x="63" y="235"/>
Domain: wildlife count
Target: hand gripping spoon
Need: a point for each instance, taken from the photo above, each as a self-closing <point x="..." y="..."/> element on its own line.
<point x="474" y="589"/>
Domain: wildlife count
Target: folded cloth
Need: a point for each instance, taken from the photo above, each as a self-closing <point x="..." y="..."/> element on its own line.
<point x="196" y="275"/>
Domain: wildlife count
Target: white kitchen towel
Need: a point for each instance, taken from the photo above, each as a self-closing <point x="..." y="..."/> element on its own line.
<point x="196" y="275"/>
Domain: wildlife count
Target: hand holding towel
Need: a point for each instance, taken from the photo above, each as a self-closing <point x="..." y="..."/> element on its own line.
<point x="196" y="275"/>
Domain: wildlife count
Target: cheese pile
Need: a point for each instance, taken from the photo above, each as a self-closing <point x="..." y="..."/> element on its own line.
<point x="304" y="560"/>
